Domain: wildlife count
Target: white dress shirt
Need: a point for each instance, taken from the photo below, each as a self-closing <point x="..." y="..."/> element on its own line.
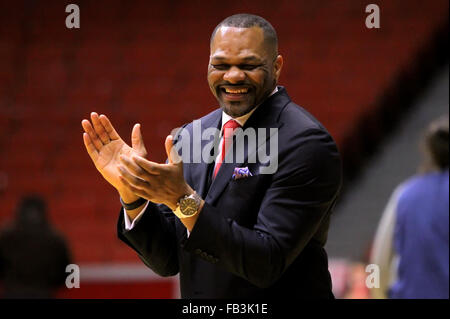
<point x="225" y="118"/>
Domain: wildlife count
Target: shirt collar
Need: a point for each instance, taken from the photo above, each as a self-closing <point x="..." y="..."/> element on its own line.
<point x="242" y="119"/>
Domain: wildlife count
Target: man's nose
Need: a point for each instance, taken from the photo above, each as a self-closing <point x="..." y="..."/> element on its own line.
<point x="234" y="75"/>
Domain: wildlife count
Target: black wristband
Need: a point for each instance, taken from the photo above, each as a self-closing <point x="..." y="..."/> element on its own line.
<point x="134" y="204"/>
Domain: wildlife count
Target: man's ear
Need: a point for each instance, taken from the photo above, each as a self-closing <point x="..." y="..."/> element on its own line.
<point x="278" y="65"/>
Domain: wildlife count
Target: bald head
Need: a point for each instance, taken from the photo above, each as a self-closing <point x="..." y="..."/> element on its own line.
<point x="244" y="20"/>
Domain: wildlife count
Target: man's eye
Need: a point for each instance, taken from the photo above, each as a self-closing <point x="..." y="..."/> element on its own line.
<point x="220" y="66"/>
<point x="248" y="67"/>
<point x="245" y="67"/>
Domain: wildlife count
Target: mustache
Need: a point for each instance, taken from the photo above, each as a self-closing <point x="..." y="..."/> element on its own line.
<point x="240" y="84"/>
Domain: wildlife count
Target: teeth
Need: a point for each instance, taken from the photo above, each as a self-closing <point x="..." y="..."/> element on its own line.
<point x="236" y="91"/>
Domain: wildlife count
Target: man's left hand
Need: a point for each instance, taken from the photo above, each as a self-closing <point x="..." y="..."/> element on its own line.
<point x="158" y="183"/>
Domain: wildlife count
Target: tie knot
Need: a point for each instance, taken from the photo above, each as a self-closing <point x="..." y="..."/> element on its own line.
<point x="231" y="124"/>
<point x="229" y="128"/>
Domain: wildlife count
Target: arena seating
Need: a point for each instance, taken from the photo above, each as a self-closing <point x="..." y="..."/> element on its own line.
<point x="144" y="61"/>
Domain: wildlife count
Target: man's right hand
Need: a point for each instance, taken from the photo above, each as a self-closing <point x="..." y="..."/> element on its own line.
<point x="105" y="147"/>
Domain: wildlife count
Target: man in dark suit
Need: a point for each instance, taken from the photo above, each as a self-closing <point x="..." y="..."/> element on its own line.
<point x="230" y="224"/>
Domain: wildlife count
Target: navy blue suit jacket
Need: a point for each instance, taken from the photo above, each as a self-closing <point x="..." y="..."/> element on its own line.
<point x="261" y="236"/>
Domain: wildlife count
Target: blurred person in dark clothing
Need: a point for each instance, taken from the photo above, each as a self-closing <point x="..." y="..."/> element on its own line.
<point x="411" y="243"/>
<point x="33" y="255"/>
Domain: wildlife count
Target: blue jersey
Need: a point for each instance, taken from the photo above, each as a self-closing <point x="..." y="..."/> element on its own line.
<point x="421" y="238"/>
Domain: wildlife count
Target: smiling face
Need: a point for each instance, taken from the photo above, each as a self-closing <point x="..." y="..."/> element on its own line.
<point x="243" y="70"/>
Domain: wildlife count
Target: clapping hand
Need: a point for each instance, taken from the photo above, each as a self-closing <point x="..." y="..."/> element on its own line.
<point x="105" y="147"/>
<point x="159" y="183"/>
<point x="127" y="170"/>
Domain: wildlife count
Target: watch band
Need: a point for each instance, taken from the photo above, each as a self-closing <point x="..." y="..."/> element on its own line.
<point x="134" y="204"/>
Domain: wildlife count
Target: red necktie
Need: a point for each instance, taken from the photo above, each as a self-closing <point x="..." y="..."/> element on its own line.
<point x="228" y="131"/>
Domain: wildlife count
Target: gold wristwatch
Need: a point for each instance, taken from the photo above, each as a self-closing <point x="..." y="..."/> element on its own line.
<point x="188" y="206"/>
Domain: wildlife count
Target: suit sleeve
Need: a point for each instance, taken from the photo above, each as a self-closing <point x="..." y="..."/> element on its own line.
<point x="302" y="192"/>
<point x="154" y="239"/>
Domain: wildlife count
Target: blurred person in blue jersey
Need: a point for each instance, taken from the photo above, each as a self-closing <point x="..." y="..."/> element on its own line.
<point x="33" y="255"/>
<point x="411" y="243"/>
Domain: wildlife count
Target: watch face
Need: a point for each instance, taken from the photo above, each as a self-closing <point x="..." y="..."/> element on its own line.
<point x="188" y="206"/>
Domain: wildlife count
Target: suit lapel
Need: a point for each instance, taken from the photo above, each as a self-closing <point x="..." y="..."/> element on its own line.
<point x="202" y="168"/>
